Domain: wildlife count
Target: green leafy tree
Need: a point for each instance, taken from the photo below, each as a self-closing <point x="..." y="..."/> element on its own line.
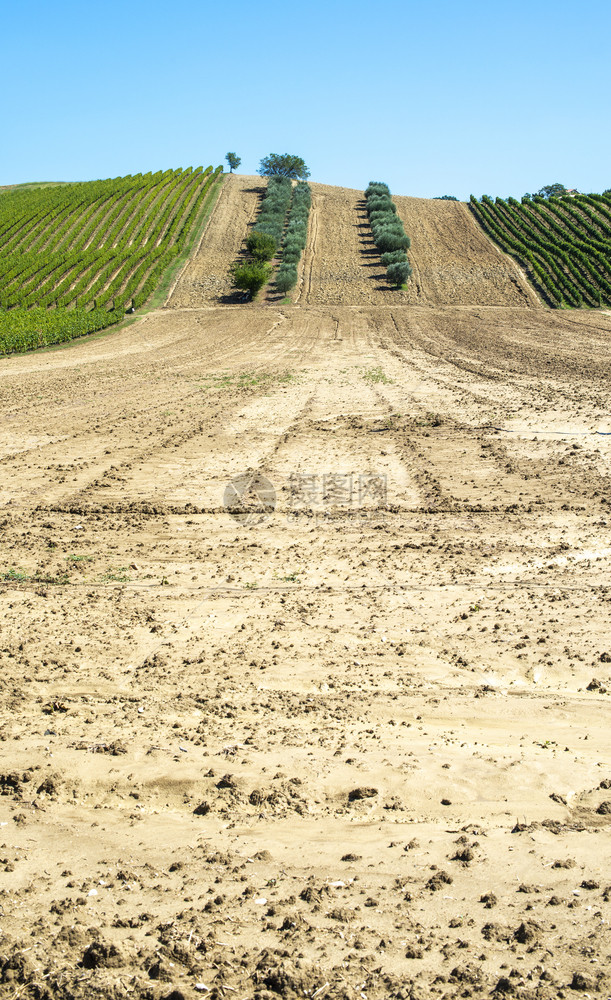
<point x="262" y="246"/>
<point x="251" y="277"/>
<point x="284" y="165"/>
<point x="445" y="197"/>
<point x="552" y="191"/>
<point x="233" y="160"/>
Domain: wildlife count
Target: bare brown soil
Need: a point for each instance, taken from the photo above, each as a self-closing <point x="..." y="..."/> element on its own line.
<point x="207" y="277"/>
<point x="354" y="748"/>
<point x="454" y="262"/>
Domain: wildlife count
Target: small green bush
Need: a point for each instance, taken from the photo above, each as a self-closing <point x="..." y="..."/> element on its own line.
<point x="386" y="227"/>
<point x="262" y="246"/>
<point x="293" y="246"/>
<point x="291" y="259"/>
<point x="381" y="205"/>
<point x="376" y="187"/>
<point x="251" y="276"/>
<point x="398" y="273"/>
<point x="382" y="219"/>
<point x="389" y="239"/>
<point x="286" y="279"/>
<point x="393" y="257"/>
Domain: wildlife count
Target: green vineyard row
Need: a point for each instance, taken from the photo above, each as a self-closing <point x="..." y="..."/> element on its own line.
<point x="563" y="244"/>
<point x="75" y="256"/>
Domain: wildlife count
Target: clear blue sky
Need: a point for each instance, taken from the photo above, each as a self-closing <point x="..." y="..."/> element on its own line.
<point x="438" y="98"/>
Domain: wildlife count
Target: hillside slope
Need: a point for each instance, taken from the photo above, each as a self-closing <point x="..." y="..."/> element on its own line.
<point x="454" y="262"/>
<point x="206" y="278"/>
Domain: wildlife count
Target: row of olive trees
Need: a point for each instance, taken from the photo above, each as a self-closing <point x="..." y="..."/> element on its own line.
<point x="264" y="240"/>
<point x="295" y="237"/>
<point x="388" y="233"/>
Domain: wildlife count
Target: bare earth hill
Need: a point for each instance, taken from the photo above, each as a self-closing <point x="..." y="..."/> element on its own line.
<point x="353" y="744"/>
<point x="206" y="277"/>
<point x="454" y="262"/>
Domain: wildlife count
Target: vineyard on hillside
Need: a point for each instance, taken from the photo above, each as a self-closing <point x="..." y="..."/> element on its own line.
<point x="74" y="257"/>
<point x="563" y="244"/>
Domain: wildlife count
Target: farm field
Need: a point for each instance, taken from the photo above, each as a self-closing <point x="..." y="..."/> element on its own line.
<point x="74" y="257"/>
<point x="564" y="244"/>
<point x="352" y="746"/>
<point x="453" y="261"/>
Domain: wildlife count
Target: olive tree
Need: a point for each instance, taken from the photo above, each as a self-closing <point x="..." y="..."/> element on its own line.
<point x="285" y="165"/>
<point x="233" y="160"/>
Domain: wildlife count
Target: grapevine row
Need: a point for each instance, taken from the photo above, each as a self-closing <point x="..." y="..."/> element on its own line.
<point x="81" y="253"/>
<point x="564" y="244"/>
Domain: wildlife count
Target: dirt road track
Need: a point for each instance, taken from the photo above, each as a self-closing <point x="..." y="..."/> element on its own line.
<point x="354" y="749"/>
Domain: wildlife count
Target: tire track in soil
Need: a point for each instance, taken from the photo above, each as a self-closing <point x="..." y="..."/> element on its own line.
<point x="305" y="287"/>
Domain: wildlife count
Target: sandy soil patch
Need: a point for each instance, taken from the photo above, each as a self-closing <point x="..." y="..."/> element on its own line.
<point x="356" y="748"/>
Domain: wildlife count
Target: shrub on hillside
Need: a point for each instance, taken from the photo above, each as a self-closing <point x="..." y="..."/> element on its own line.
<point x="393" y="257"/>
<point x="262" y="246"/>
<point x="381" y="206"/>
<point x="251" y="276"/>
<point x="398" y="273"/>
<point x="390" y="239"/>
<point x="390" y="224"/>
<point x="377" y="187"/>
<point x="286" y="279"/>
<point x="291" y="254"/>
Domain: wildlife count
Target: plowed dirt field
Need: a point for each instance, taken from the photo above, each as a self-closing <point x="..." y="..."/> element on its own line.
<point x="350" y="740"/>
<point x="454" y="263"/>
<point x="207" y="276"/>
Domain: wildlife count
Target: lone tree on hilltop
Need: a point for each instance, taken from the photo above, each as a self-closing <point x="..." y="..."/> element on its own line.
<point x="284" y="165"/>
<point x="234" y="161"/>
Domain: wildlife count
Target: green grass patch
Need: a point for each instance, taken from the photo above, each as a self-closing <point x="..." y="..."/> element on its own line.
<point x="117" y="574"/>
<point x="376" y="375"/>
